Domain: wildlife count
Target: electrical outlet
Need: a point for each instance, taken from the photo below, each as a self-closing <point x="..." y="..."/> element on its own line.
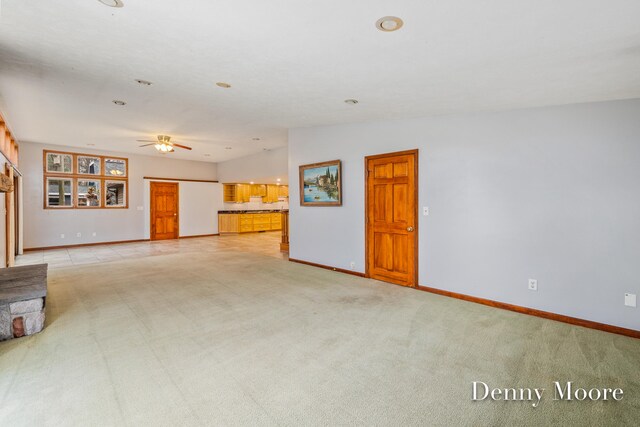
<point x="425" y="210"/>
<point x="78" y="234"/>
<point x="533" y="285"/>
<point x="62" y="236"/>
<point x="352" y="264"/>
<point x="630" y="299"/>
<point x="93" y="234"/>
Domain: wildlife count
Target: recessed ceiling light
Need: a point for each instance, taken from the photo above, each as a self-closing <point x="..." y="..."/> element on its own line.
<point x="227" y="148"/>
<point x="351" y="101"/>
<point x="389" y="23"/>
<point x="118" y="102"/>
<point x="144" y="82"/>
<point x="223" y="85"/>
<point x="112" y="3"/>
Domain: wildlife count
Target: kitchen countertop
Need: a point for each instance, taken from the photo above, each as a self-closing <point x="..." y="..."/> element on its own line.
<point x="254" y="212"/>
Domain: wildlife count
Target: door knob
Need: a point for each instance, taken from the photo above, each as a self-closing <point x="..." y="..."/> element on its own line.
<point x="175" y="214"/>
<point x="409" y="228"/>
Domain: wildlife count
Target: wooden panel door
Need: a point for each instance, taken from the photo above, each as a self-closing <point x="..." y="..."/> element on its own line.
<point x="164" y="210"/>
<point x="392" y="217"/>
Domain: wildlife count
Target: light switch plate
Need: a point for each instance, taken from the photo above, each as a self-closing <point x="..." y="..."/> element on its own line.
<point x="630" y="299"/>
<point x="425" y="211"/>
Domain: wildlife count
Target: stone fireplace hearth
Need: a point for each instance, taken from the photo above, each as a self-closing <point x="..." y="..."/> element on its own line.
<point x="23" y="292"/>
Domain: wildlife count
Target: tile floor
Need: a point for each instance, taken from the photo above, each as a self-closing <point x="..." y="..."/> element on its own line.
<point x="267" y="243"/>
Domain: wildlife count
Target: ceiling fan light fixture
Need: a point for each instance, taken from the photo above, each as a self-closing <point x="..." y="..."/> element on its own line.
<point x="163" y="144"/>
<point x="163" y="147"/>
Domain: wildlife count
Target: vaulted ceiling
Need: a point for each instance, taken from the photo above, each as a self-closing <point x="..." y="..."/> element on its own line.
<point x="292" y="63"/>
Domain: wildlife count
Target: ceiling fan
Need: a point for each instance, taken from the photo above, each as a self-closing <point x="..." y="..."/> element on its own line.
<point x="163" y="144"/>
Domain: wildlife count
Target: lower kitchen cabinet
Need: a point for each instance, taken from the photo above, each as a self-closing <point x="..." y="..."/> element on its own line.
<point x="249" y="222"/>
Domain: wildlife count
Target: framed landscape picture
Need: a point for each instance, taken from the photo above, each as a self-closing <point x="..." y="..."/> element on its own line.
<point x="321" y="184"/>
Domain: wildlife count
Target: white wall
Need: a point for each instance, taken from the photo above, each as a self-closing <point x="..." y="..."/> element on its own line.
<point x="264" y="167"/>
<point x="43" y="227"/>
<point x="199" y="203"/>
<point x="548" y="193"/>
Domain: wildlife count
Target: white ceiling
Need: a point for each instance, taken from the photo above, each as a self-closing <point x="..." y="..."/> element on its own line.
<point x="292" y="63"/>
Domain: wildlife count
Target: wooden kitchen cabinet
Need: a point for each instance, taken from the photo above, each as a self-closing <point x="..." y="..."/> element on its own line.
<point x="228" y="223"/>
<point x="272" y="194"/>
<point x="241" y="193"/>
<point x="249" y="222"/>
<point x="276" y="221"/>
<point x="261" y="222"/>
<point x="245" y="193"/>
<point x="229" y="193"/>
<point x="258" y="190"/>
<point x="236" y="193"/>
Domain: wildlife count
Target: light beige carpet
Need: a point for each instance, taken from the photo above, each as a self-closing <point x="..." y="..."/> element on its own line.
<point x="232" y="338"/>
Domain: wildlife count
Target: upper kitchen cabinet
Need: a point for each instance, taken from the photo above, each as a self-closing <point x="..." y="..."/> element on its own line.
<point x="258" y="190"/>
<point x="236" y="193"/>
<point x="272" y="194"/>
<point x="241" y="193"/>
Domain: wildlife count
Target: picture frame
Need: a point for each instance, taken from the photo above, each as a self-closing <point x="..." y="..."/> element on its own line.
<point x="321" y="184"/>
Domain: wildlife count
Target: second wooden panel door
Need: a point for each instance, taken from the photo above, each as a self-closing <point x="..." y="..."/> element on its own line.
<point x="164" y="210"/>
<point x="392" y="248"/>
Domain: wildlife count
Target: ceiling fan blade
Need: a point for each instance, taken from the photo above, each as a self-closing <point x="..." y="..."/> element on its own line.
<point x="181" y="146"/>
<point x="146" y="145"/>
